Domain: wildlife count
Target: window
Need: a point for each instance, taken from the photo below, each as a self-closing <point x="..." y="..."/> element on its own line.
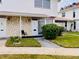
<point x="46" y="4"/>
<point x="0" y="1"/>
<point x="38" y="3"/>
<point x="63" y="14"/>
<point x="74" y="14"/>
<point x="42" y="4"/>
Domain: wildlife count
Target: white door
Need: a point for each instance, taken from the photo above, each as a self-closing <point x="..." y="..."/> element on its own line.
<point x="34" y="27"/>
<point x="2" y="27"/>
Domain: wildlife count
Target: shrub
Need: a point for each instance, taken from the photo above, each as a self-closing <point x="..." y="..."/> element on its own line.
<point x="50" y="31"/>
<point x="15" y="39"/>
<point x="60" y="30"/>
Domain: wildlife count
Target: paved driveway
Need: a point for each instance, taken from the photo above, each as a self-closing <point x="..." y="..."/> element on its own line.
<point x="47" y="44"/>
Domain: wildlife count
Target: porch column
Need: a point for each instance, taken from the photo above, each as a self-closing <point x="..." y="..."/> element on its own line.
<point x="20" y="26"/>
<point x="53" y="21"/>
<point x="45" y="21"/>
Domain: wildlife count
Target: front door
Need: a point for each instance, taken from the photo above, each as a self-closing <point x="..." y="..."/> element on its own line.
<point x="2" y="27"/>
<point x="34" y="27"/>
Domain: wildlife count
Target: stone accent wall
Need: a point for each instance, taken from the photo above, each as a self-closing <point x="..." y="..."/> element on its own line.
<point x="26" y="25"/>
<point x="13" y="26"/>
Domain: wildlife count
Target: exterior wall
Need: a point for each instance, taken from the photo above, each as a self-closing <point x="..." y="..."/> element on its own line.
<point x="77" y="25"/>
<point x="68" y="26"/>
<point x="27" y="6"/>
<point x="69" y="14"/>
<point x="60" y="24"/>
<point x="77" y="13"/>
<point x="49" y="21"/>
<point x="59" y="14"/>
<point x="13" y="26"/>
<point x="26" y="25"/>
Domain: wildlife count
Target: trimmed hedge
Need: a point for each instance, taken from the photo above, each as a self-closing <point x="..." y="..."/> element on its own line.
<point x="51" y="31"/>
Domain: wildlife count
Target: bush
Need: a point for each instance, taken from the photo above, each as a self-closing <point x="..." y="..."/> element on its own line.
<point x="15" y="39"/>
<point x="51" y="31"/>
<point x="60" y="30"/>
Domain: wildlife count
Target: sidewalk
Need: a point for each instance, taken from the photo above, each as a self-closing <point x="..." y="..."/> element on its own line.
<point x="39" y="50"/>
<point x="46" y="51"/>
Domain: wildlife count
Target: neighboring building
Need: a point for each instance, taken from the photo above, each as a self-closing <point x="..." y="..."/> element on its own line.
<point x="70" y="12"/>
<point x="19" y="17"/>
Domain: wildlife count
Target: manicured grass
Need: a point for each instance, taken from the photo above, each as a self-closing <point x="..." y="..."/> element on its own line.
<point x="36" y="57"/>
<point x="67" y="41"/>
<point x="26" y="42"/>
<point x="77" y="33"/>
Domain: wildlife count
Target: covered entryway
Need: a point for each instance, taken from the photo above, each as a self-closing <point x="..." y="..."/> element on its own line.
<point x="19" y="24"/>
<point x="2" y="27"/>
<point x="67" y="23"/>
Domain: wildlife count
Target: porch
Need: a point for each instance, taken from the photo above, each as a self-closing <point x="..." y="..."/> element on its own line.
<point x="16" y="26"/>
<point x="22" y="26"/>
<point x="69" y="24"/>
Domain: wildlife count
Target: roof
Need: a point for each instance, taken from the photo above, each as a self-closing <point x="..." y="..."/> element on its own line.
<point x="76" y="5"/>
<point x="22" y="14"/>
<point x="64" y="19"/>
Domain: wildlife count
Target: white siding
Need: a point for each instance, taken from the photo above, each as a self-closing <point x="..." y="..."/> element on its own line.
<point x="69" y="14"/>
<point x="77" y="13"/>
<point x="68" y="26"/>
<point x="27" y="6"/>
<point x="60" y="24"/>
<point x="77" y="25"/>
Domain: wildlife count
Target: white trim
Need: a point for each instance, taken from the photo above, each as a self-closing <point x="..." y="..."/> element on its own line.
<point x="22" y="14"/>
<point x="20" y="26"/>
<point x="45" y="21"/>
<point x="53" y="21"/>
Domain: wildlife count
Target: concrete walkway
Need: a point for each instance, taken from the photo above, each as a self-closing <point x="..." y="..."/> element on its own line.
<point x="46" y="43"/>
<point x="46" y="51"/>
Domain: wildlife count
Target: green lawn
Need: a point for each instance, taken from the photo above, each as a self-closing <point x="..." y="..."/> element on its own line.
<point x="67" y="41"/>
<point x="77" y="33"/>
<point x="36" y="57"/>
<point x="27" y="42"/>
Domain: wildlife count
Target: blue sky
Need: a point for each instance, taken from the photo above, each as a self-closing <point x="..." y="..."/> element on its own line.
<point x="64" y="3"/>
